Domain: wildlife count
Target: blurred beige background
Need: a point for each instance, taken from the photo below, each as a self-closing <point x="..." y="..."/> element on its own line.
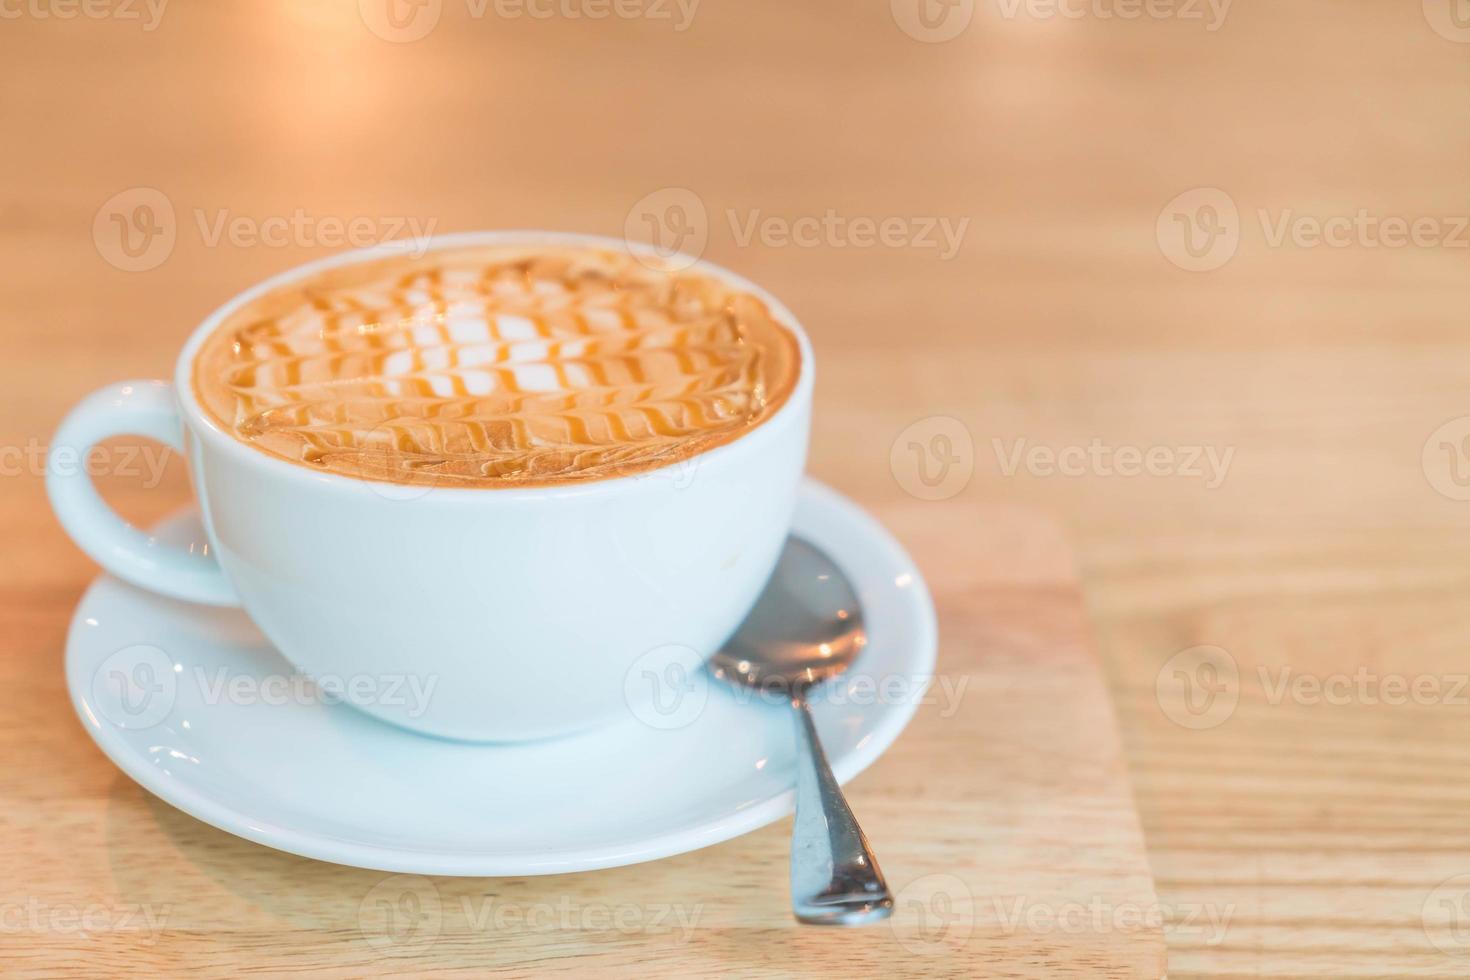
<point x="1234" y="235"/>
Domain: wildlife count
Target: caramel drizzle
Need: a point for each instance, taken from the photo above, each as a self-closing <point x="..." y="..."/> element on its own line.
<point x="469" y="370"/>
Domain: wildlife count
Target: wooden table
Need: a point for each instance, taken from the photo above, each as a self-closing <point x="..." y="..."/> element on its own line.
<point x="1237" y="230"/>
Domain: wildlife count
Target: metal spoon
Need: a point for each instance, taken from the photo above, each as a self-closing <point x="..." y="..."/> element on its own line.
<point x="806" y="628"/>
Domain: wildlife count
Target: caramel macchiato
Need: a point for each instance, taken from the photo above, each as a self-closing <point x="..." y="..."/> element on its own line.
<point x="496" y="366"/>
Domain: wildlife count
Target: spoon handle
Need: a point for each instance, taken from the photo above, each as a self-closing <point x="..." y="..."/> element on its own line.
<point x="835" y="880"/>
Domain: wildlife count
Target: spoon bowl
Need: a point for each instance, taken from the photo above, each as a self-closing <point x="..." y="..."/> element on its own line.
<point x="806" y="627"/>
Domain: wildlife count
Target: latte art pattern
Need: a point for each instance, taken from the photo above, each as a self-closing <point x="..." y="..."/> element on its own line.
<point x="484" y="367"/>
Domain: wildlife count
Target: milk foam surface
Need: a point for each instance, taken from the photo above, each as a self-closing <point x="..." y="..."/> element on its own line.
<point x="496" y="366"/>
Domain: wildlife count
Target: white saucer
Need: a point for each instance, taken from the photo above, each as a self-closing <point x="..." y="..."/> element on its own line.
<point x="193" y="704"/>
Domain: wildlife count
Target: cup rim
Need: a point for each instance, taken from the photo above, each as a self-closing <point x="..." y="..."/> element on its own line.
<point x="206" y="430"/>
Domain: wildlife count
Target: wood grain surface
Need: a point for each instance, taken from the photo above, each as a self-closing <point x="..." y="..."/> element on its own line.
<point x="1235" y="229"/>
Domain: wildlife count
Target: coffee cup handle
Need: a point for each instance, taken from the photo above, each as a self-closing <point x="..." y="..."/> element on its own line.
<point x="133" y="408"/>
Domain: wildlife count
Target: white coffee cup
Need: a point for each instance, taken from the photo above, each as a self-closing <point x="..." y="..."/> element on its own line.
<point x="522" y="611"/>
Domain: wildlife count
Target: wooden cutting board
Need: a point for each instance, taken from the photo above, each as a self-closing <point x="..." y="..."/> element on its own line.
<point x="1003" y="819"/>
